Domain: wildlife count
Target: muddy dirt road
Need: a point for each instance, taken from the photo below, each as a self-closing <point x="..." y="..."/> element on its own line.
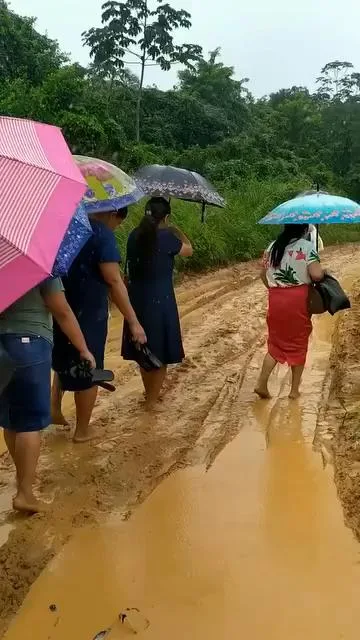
<point x="245" y="536"/>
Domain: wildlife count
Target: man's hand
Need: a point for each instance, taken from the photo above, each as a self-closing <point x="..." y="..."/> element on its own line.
<point x="88" y="357"/>
<point x="138" y="333"/>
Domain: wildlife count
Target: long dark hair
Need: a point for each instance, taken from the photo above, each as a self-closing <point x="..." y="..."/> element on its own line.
<point x="156" y="210"/>
<point x="291" y="232"/>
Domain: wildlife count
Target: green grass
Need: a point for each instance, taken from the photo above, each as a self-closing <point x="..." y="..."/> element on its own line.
<point x="232" y="234"/>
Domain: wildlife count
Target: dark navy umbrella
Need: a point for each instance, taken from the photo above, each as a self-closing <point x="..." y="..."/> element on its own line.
<point x="174" y="182"/>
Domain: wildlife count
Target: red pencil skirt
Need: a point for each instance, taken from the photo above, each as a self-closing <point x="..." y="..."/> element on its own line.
<point x="289" y="324"/>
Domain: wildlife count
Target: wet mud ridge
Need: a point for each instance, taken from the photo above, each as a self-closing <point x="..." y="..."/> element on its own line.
<point x="343" y="411"/>
<point x="208" y="401"/>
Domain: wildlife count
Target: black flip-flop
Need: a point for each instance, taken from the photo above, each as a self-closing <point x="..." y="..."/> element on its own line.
<point x="101" y="375"/>
<point x="102" y="378"/>
<point x="98" y="377"/>
<point x="146" y="359"/>
<point x="107" y="386"/>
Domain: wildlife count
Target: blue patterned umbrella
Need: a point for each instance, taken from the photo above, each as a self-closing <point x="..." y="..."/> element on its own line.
<point x="78" y="233"/>
<point x="317" y="208"/>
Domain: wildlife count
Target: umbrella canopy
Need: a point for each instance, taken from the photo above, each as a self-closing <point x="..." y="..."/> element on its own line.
<point x="109" y="188"/>
<point x="78" y="233"/>
<point x="172" y="182"/>
<point x="39" y="191"/>
<point x="316" y="209"/>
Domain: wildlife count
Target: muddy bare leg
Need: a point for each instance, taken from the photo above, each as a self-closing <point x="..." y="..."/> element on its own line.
<point x="296" y="375"/>
<point x="153" y="382"/>
<point x="26" y="456"/>
<point x="57" y="395"/>
<point x="267" y="368"/>
<point x="84" y="401"/>
<point x="10" y="439"/>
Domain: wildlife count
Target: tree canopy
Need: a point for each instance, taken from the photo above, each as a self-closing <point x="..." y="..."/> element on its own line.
<point x="208" y="122"/>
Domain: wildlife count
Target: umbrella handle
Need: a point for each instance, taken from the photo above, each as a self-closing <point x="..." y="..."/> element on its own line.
<point x="203" y="211"/>
<point x="317" y="237"/>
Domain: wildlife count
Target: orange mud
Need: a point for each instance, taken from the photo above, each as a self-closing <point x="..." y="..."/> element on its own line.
<point x="244" y="538"/>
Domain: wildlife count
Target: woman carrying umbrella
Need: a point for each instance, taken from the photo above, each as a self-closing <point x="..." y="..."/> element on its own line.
<point x="93" y="276"/>
<point x="290" y="265"/>
<point x="151" y="250"/>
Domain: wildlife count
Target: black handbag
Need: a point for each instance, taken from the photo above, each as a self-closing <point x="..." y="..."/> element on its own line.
<point x="7" y="368"/>
<point x="315" y="301"/>
<point x="329" y="296"/>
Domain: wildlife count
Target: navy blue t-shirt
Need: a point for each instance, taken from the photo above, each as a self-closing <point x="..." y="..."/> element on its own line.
<point x="85" y="289"/>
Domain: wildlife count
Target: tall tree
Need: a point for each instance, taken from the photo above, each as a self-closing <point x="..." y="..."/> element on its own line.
<point x="334" y="81"/>
<point x="143" y="32"/>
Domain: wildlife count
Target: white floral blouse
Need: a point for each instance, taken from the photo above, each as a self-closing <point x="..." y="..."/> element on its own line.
<point x="293" y="270"/>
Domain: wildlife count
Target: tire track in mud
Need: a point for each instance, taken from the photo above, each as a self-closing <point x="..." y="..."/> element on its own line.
<point x="206" y="402"/>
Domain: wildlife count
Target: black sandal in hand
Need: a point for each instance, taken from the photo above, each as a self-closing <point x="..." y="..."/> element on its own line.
<point x="99" y="377"/>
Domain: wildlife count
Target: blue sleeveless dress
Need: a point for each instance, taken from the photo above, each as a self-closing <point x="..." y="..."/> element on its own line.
<point x="152" y="296"/>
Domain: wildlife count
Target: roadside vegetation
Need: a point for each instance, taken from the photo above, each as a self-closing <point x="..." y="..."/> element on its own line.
<point x="258" y="152"/>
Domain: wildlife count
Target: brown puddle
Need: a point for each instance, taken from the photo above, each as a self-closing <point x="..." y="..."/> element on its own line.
<point x="253" y="547"/>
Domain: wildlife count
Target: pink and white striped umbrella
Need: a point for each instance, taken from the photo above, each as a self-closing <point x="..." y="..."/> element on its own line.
<point x="40" y="188"/>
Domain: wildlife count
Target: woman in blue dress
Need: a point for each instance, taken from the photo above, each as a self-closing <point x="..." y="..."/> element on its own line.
<point x="93" y="277"/>
<point x="151" y="252"/>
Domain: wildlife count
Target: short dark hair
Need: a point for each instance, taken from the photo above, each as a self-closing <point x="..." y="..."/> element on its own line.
<point x="122" y="213"/>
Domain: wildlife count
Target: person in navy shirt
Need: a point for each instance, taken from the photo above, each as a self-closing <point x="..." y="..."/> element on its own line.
<point x="93" y="278"/>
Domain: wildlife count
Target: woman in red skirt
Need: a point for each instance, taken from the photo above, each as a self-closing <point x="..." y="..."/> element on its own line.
<point x="290" y="265"/>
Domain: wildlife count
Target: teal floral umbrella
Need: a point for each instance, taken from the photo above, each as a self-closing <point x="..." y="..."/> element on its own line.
<point x="317" y="208"/>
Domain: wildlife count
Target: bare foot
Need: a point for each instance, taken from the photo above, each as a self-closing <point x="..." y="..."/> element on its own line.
<point x="80" y="438"/>
<point x="152" y="406"/>
<point x="294" y="395"/>
<point x="263" y="393"/>
<point x="59" y="420"/>
<point x="28" y="505"/>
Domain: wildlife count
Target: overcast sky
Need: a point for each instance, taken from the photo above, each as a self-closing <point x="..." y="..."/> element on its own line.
<point x="276" y="43"/>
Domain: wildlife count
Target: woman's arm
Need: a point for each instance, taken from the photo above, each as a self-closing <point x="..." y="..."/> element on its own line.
<point x="186" y="250"/>
<point x="59" y="308"/>
<point x="316" y="271"/>
<point x="119" y="295"/>
<point x="264" y="278"/>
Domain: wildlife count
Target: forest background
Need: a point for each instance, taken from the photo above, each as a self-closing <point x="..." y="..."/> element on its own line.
<point x="258" y="152"/>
